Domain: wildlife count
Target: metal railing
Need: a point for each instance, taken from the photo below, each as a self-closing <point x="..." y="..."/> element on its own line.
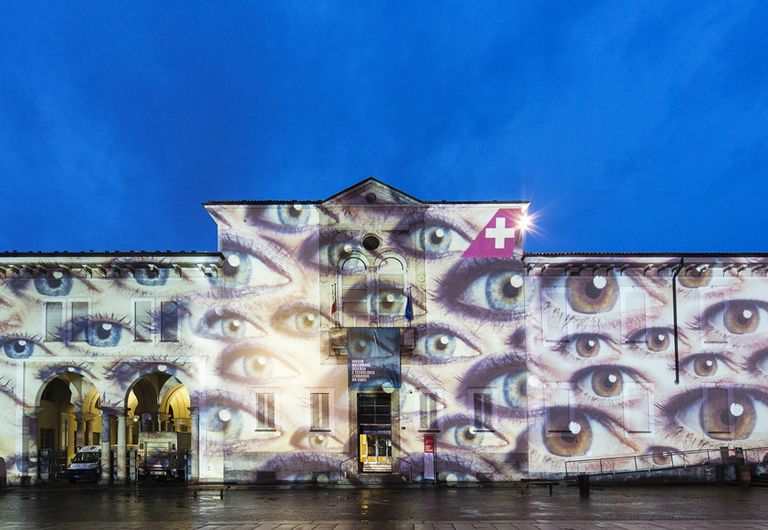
<point x="342" y="475"/>
<point x="660" y="461"/>
<point x="402" y="460"/>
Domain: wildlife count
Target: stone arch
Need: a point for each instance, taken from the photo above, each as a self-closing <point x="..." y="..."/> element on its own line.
<point x="66" y="417"/>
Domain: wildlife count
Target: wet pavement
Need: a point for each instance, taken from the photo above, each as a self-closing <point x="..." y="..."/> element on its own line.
<point x="678" y="507"/>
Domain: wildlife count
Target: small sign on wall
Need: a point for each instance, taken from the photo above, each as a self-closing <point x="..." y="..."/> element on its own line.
<point x="429" y="457"/>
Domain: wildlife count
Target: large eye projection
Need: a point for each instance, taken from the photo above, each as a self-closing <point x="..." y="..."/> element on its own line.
<point x="230" y="415"/>
<point x="295" y="217"/>
<point x="434" y="237"/>
<point x="250" y="364"/>
<point x="22" y="346"/>
<point x="125" y="373"/>
<point x="656" y="340"/>
<point x="229" y="325"/>
<point x="596" y="294"/>
<point x="569" y="432"/>
<point x="54" y="283"/>
<point x="57" y="282"/>
<point x="300" y="320"/>
<point x="606" y="381"/>
<point x="439" y="344"/>
<point x="460" y="431"/>
<point x="718" y="413"/>
<point x="737" y="317"/>
<point x="586" y="345"/>
<point x="695" y="277"/>
<point x="505" y="378"/>
<point x="151" y="276"/>
<point x="707" y="365"/>
<point x="245" y="264"/>
<point x="100" y="331"/>
<point x="485" y="289"/>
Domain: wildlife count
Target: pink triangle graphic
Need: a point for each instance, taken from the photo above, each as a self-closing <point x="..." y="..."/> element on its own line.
<point x="497" y="238"/>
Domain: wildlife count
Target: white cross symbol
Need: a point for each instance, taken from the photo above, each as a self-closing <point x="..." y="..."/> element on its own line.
<point x="500" y="233"/>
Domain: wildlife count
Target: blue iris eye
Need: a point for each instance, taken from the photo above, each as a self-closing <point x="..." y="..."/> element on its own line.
<point x="236" y="270"/>
<point x="503" y="290"/>
<point x="54" y="283"/>
<point x="515" y="390"/>
<point x="293" y="215"/>
<point x="151" y="277"/>
<point x="18" y="348"/>
<point x="435" y="240"/>
<point x="103" y="334"/>
<point x="440" y="345"/>
<point x="225" y="420"/>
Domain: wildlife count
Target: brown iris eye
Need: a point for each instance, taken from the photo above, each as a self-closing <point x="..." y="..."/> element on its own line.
<point x="741" y="317"/>
<point x="657" y="339"/>
<point x="607" y="382"/>
<point x="592" y="294"/>
<point x="726" y="420"/>
<point x="574" y="435"/>
<point x="695" y="277"/>
<point x="705" y="365"/>
<point x="587" y="345"/>
<point x="661" y="456"/>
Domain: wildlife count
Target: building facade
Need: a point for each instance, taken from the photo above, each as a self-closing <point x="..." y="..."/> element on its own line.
<point x="372" y="334"/>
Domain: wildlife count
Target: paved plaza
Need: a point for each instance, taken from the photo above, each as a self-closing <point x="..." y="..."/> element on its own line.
<point x="670" y="507"/>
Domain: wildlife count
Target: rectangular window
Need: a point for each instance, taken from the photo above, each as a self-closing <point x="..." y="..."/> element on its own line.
<point x="169" y="321"/>
<point x="482" y="411"/>
<point x="633" y="313"/>
<point x="320" y="405"/>
<point x="428" y="412"/>
<point x="80" y="314"/>
<point x="717" y="417"/>
<point x="638" y="405"/>
<point x="54" y="319"/>
<point x="142" y="320"/>
<point x="709" y="298"/>
<point x="265" y="411"/>
<point x="554" y="314"/>
<point x="558" y="407"/>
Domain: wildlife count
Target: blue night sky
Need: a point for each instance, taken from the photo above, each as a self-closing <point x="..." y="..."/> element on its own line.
<point x="631" y="126"/>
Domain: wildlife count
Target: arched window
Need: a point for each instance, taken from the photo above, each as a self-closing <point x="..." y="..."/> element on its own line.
<point x="391" y="291"/>
<point x="354" y="294"/>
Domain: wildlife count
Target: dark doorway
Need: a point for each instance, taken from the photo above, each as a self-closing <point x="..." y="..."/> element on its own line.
<point x="374" y="426"/>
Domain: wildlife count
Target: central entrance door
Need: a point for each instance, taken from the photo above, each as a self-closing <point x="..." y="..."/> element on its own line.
<point x="374" y="425"/>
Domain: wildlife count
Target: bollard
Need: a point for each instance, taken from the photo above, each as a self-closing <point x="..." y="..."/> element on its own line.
<point x="583" y="485"/>
<point x="744" y="474"/>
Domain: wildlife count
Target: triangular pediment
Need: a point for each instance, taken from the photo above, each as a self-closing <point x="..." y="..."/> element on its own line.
<point x="371" y="192"/>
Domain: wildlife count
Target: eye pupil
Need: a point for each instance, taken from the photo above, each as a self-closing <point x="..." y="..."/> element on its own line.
<point x="593" y="291"/>
<point x="741" y="317"/>
<point x="592" y="295"/>
<point x="510" y="291"/>
<point x="705" y="366"/>
<point x="607" y="383"/>
<point x="587" y="346"/>
<point x="103" y="330"/>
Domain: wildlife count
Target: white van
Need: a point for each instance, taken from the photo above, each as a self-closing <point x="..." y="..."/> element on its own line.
<point x="86" y="465"/>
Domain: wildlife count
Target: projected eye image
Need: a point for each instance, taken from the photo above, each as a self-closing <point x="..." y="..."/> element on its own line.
<point x="372" y="333"/>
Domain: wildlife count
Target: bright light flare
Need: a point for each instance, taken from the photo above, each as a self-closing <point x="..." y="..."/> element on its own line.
<point x="524" y="222"/>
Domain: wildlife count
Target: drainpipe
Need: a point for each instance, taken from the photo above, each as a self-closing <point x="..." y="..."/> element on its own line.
<point x="674" y="316"/>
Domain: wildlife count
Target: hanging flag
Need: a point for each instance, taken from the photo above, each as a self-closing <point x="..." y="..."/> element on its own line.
<point x="497" y="238"/>
<point x="333" y="305"/>
<point x="409" y="307"/>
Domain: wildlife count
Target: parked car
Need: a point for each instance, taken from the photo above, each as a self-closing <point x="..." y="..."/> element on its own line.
<point x="86" y="465"/>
